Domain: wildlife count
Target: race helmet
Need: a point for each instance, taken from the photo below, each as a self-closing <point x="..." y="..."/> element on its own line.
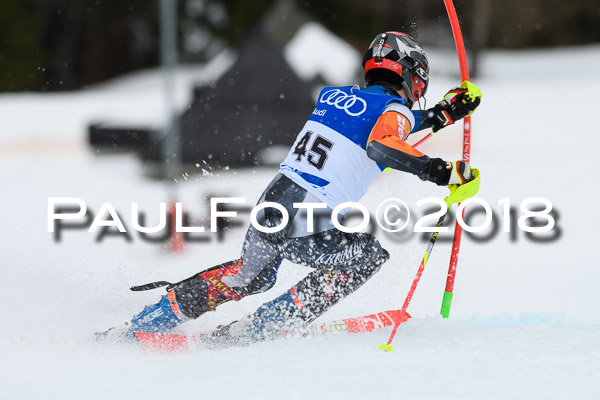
<point x="396" y="57"/>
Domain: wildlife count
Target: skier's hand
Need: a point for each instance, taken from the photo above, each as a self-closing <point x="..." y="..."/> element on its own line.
<point x="460" y="172"/>
<point x="457" y="103"/>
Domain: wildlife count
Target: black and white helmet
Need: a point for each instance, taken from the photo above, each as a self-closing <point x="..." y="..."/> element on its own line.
<point x="396" y="57"/>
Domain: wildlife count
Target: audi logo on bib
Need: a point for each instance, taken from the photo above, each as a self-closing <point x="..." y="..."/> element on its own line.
<point x="350" y="103"/>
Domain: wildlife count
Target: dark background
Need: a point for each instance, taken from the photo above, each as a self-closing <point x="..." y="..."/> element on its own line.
<point x="52" y="45"/>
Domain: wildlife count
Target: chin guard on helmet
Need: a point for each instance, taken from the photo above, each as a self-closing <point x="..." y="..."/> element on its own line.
<point x="397" y="58"/>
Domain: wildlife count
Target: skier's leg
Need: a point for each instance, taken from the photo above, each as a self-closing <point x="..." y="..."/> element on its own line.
<point x="261" y="257"/>
<point x="202" y="292"/>
<point x="343" y="262"/>
<point x="253" y="273"/>
<point x="183" y="301"/>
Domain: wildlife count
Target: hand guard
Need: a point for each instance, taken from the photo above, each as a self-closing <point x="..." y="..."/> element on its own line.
<point x="460" y="172"/>
<point x="457" y="103"/>
<point x="459" y="193"/>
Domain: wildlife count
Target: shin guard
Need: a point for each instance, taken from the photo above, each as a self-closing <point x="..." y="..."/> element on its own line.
<point x="204" y="291"/>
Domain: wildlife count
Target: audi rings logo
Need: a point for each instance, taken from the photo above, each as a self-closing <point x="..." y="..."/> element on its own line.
<point x="351" y="104"/>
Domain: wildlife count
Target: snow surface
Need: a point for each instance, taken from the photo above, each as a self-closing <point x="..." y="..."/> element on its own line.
<point x="525" y="321"/>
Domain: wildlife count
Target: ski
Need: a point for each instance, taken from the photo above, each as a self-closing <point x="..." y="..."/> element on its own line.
<point x="365" y="323"/>
<point x="169" y="343"/>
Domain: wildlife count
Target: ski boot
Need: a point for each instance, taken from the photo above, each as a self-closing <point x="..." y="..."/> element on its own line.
<point x="273" y="320"/>
<point x="184" y="300"/>
<point x="157" y="318"/>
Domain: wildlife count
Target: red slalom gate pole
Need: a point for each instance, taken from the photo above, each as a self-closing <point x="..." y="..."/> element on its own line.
<point x="464" y="74"/>
<point x="176" y="242"/>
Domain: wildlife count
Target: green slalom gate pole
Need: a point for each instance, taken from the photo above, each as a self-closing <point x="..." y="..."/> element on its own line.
<point x="464" y="74"/>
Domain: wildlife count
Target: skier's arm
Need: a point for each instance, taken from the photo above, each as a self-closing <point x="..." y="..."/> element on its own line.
<point x="387" y="147"/>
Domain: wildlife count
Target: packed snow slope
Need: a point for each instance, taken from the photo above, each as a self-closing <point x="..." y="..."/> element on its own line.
<point x="525" y="321"/>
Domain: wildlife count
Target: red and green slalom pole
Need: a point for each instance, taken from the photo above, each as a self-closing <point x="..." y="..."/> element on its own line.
<point x="467" y="191"/>
<point x="464" y="75"/>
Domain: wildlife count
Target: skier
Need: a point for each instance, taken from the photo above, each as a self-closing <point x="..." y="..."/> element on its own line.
<point x="352" y="135"/>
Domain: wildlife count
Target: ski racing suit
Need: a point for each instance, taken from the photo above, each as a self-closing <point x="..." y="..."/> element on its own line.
<point x="351" y="136"/>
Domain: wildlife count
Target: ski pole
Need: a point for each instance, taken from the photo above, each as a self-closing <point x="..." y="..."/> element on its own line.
<point x="464" y="74"/>
<point x="425" y="138"/>
<point x="388" y="346"/>
<point x="457" y="195"/>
